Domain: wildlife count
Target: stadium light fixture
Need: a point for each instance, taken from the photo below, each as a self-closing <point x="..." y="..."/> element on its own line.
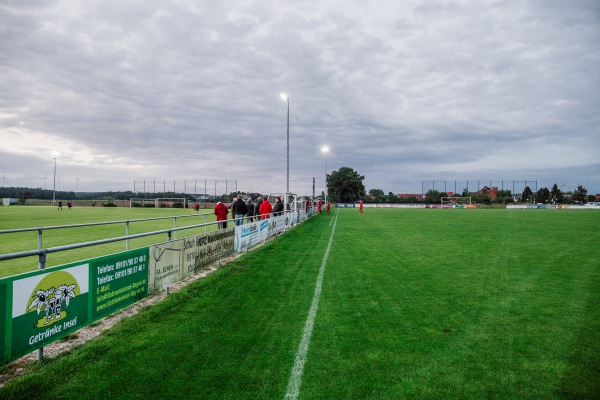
<point x="285" y="97"/>
<point x="325" y="150"/>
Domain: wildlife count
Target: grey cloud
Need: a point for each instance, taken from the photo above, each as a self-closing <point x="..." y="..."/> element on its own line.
<point x="391" y="87"/>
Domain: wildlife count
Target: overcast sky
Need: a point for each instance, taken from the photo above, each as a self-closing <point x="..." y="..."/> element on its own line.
<point x="401" y="91"/>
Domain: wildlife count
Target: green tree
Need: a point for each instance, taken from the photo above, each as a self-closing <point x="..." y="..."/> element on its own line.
<point x="345" y="185"/>
<point x="434" y="196"/>
<point x="543" y="195"/>
<point x="580" y="194"/>
<point x="556" y="194"/>
<point x="23" y="196"/>
<point x="504" y="196"/>
<point x="527" y="195"/>
<point x="376" y="195"/>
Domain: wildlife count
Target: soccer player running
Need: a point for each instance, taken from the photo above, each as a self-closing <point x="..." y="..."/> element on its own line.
<point x="360" y="207"/>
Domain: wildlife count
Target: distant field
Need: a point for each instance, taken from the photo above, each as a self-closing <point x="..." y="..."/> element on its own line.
<point x="429" y="304"/>
<point x="14" y="217"/>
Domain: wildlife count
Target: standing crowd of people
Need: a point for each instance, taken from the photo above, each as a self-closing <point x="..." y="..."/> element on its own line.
<point x="261" y="209"/>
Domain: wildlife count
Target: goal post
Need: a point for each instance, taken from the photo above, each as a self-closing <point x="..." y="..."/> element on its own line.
<point x="455" y="202"/>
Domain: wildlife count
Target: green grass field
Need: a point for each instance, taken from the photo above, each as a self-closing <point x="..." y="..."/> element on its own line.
<point x="428" y="304"/>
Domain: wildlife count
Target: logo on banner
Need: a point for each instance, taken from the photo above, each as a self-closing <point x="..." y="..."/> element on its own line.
<point x="249" y="230"/>
<point x="51" y="297"/>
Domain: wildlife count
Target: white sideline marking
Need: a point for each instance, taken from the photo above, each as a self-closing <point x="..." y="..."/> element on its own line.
<point x="332" y="219"/>
<point x="293" y="388"/>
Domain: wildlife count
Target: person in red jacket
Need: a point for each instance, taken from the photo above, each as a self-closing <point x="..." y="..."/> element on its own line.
<point x="265" y="208"/>
<point x="360" y="207"/>
<point x="328" y="208"/>
<point x="221" y="212"/>
<point x="319" y="209"/>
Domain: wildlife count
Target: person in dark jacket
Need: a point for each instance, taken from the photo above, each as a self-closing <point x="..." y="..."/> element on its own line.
<point x="278" y="209"/>
<point x="239" y="210"/>
<point x="250" y="212"/>
<point x="257" y="207"/>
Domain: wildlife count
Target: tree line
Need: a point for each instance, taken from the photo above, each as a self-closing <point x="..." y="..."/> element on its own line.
<point x="346" y="186"/>
<point x="343" y="186"/>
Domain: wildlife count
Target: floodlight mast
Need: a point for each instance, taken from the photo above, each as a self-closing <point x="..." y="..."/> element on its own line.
<point x="285" y="97"/>
<point x="54" y="191"/>
<point x="325" y="150"/>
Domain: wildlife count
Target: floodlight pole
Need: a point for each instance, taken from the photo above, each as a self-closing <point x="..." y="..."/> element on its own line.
<point x="325" y="150"/>
<point x="54" y="192"/>
<point x="288" y="146"/>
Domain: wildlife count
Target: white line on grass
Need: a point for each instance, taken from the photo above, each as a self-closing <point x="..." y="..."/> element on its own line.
<point x="293" y="388"/>
<point x="333" y="219"/>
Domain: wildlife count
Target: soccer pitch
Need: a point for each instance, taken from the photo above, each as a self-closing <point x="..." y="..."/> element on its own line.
<point x="392" y="304"/>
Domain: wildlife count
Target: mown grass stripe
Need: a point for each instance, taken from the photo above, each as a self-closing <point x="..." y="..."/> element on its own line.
<point x="293" y="388"/>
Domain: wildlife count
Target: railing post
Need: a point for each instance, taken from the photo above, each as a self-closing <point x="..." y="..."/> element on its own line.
<point x="127" y="234"/>
<point x="41" y="265"/>
<point x="205" y="222"/>
<point x="169" y="236"/>
<point x="174" y="226"/>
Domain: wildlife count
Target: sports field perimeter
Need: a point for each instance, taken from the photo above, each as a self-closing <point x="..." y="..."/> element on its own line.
<point x="392" y="304"/>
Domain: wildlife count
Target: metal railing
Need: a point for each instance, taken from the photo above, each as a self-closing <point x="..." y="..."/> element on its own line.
<point x="41" y="251"/>
<point x="40" y="230"/>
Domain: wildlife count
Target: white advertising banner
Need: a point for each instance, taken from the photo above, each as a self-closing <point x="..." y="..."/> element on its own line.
<point x="249" y="234"/>
<point x="279" y="224"/>
<point x="165" y="267"/>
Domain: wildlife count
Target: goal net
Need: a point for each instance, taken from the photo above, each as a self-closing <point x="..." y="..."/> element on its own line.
<point x="170" y="202"/>
<point x="142" y="203"/>
<point x="455" y="202"/>
<point x="161" y="202"/>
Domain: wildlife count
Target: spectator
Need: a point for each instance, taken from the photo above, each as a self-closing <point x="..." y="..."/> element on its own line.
<point x="265" y="209"/>
<point x="328" y="207"/>
<point x="239" y="210"/>
<point x="319" y="209"/>
<point x="221" y="213"/>
<point x="250" y="212"/>
<point x="257" y="207"/>
<point x="278" y="209"/>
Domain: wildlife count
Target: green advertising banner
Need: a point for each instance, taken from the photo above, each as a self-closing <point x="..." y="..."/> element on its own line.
<point x="117" y="281"/>
<point x="3" y="314"/>
<point x="40" y="307"/>
<point x="46" y="306"/>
